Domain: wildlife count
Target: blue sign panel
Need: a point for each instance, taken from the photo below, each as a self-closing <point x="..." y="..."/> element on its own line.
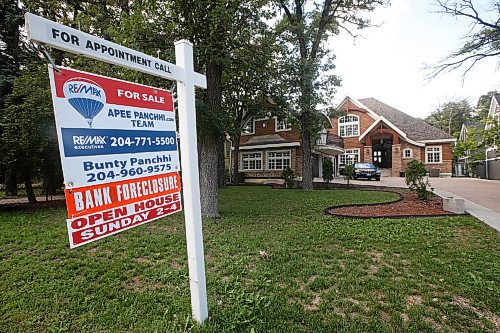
<point x="90" y="141"/>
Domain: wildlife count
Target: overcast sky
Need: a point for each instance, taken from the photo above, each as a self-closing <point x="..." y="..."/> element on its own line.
<point x="388" y="61"/>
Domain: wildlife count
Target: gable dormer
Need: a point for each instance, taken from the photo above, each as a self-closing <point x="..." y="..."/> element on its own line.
<point x="354" y="118"/>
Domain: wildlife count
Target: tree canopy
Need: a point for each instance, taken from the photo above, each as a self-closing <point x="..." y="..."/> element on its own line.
<point x="308" y="61"/>
<point x="482" y="41"/>
<point x="450" y="116"/>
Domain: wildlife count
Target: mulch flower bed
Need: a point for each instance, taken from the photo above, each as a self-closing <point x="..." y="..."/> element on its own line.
<point x="408" y="205"/>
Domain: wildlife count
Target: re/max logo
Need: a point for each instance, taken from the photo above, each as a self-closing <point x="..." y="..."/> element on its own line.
<point x="80" y="88"/>
<point x="89" y="140"/>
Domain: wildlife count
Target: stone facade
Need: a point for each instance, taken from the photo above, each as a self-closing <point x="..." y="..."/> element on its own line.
<point x="367" y="153"/>
<point x="396" y="160"/>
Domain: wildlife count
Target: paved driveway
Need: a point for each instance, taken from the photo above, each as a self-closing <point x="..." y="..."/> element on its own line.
<point x="482" y="192"/>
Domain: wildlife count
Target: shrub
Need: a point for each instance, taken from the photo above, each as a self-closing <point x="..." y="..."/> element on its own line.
<point x="415" y="173"/>
<point x="288" y="176"/>
<point x="349" y="172"/>
<point x="327" y="170"/>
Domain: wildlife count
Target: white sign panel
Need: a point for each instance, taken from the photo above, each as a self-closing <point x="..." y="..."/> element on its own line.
<point x="118" y="146"/>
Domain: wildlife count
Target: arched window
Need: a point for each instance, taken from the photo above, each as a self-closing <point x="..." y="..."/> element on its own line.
<point x="349" y="125"/>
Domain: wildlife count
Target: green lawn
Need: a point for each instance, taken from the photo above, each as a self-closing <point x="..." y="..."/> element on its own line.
<point x="324" y="274"/>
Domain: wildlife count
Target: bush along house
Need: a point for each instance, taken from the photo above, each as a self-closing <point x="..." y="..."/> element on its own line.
<point x="375" y="132"/>
<point x="269" y="145"/>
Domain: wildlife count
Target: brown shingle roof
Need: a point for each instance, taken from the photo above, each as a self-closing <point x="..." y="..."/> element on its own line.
<point x="264" y="139"/>
<point x="415" y="129"/>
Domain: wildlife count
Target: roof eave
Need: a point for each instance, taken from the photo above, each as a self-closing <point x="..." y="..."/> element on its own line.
<point x="358" y="104"/>
<point x="394" y="127"/>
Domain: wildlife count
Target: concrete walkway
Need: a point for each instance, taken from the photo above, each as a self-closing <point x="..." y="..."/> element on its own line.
<point x="481" y="197"/>
<point x="484" y="214"/>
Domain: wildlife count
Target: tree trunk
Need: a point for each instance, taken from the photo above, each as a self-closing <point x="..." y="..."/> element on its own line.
<point x="209" y="140"/>
<point x="29" y="188"/>
<point x="10" y="183"/>
<point x="236" y="160"/>
<point x="307" y="172"/>
<point x="221" y="157"/>
<point x="49" y="181"/>
<point x="208" y="176"/>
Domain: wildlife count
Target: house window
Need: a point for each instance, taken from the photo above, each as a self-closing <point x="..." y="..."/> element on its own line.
<point x="350" y="156"/>
<point x="278" y="160"/>
<point x="251" y="161"/>
<point x="282" y="125"/>
<point x="349" y="125"/>
<point x="407" y="153"/>
<point x="249" y="127"/>
<point x="433" y="154"/>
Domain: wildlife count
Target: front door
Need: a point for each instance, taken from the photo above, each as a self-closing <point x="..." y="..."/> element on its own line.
<point x="382" y="152"/>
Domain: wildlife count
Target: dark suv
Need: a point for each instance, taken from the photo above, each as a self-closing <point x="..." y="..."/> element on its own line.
<point x="366" y="170"/>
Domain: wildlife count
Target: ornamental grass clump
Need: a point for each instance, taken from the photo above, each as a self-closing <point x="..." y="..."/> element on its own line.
<point x="415" y="173"/>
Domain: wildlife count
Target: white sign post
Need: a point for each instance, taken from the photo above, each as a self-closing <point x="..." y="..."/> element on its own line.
<point x="68" y="39"/>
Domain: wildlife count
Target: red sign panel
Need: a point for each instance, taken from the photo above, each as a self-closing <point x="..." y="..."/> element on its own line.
<point x="118" y="146"/>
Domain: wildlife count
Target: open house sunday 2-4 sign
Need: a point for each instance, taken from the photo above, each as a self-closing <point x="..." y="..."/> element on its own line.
<point x="118" y="146"/>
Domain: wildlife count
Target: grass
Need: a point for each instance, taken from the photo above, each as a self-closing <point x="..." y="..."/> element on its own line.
<point x="323" y="274"/>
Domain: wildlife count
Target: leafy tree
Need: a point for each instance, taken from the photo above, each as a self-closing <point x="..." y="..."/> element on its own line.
<point x="482" y="41"/>
<point x="483" y="105"/>
<point x="491" y="133"/>
<point x="250" y="87"/>
<point x="327" y="170"/>
<point x="11" y="55"/>
<point x="451" y="115"/>
<point x="470" y="147"/>
<point x="414" y="178"/>
<point x="28" y="130"/>
<point x="304" y="30"/>
<point x="216" y="28"/>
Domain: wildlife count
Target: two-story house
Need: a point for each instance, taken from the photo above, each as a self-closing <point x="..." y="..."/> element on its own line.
<point x="378" y="133"/>
<point x="269" y="145"/>
<point x="369" y="131"/>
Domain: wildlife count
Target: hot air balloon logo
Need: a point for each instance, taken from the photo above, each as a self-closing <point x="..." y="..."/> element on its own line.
<point x="86" y="96"/>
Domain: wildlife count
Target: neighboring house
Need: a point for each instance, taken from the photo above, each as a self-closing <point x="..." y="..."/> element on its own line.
<point x="461" y="167"/>
<point x="269" y="145"/>
<point x="376" y="132"/>
<point x="492" y="161"/>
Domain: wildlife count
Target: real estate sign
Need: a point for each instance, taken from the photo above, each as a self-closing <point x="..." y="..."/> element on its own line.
<point x="118" y="146"/>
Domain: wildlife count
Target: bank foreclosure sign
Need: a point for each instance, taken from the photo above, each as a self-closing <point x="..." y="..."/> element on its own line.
<point x="118" y="143"/>
<point x="118" y="147"/>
